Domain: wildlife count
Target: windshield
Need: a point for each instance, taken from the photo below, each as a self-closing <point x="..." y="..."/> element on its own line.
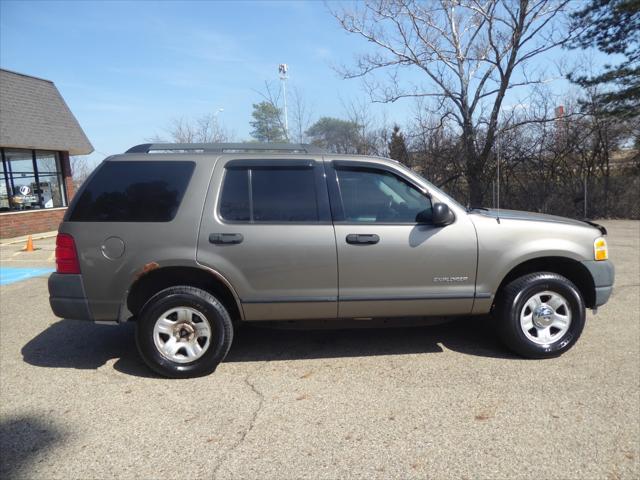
<point x="430" y="186"/>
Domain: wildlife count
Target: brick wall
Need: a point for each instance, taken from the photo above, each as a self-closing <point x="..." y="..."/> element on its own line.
<point x="16" y="224"/>
<point x="30" y="222"/>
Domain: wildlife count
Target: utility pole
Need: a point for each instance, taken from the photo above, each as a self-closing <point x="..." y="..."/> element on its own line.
<point x="282" y="70"/>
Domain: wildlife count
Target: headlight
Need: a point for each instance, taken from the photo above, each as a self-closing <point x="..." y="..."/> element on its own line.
<point x="600" y="251"/>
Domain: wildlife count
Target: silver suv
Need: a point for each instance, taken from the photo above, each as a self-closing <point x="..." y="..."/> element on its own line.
<point x="192" y="240"/>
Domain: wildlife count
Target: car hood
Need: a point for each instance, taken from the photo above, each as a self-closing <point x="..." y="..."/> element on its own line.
<point x="536" y="217"/>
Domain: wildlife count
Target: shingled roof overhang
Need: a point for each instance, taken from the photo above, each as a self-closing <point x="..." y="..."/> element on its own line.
<point x="34" y="115"/>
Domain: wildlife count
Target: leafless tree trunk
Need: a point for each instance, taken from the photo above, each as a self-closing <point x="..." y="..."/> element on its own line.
<point x="470" y="53"/>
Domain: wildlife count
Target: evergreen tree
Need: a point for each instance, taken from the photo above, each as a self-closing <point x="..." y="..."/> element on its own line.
<point x="398" y="146"/>
<point x="267" y="123"/>
<point x="613" y="27"/>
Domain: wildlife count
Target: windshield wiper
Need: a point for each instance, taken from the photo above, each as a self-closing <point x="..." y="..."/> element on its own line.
<point x="477" y="208"/>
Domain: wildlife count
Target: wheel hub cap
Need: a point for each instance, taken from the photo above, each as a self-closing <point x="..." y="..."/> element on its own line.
<point x="182" y="334"/>
<point x="543" y="316"/>
<point x="185" y="332"/>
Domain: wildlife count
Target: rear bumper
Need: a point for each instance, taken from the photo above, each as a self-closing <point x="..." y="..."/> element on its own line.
<point x="68" y="298"/>
<point x="603" y="274"/>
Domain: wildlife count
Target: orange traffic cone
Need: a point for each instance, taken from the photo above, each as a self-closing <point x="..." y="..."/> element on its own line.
<point x="29" y="246"/>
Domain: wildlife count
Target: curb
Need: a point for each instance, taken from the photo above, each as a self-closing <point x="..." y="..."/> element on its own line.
<point x="36" y="236"/>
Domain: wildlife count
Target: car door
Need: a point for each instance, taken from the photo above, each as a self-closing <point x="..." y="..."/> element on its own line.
<point x="389" y="264"/>
<point x="267" y="229"/>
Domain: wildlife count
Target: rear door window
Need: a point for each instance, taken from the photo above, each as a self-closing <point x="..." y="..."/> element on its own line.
<point x="269" y="194"/>
<point x="143" y="191"/>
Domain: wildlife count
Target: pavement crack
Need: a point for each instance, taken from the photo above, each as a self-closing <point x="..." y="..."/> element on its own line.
<point x="250" y="426"/>
<point x="256" y="412"/>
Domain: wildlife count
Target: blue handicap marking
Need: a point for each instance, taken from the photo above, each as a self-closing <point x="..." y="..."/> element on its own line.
<point x="15" y="274"/>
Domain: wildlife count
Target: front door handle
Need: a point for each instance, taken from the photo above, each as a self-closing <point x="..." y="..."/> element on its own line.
<point x="362" y="238"/>
<point x="225" y="238"/>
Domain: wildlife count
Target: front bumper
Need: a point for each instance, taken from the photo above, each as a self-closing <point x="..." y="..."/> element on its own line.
<point x="603" y="274"/>
<point x="68" y="298"/>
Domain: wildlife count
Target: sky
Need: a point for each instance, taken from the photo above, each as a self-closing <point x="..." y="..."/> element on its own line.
<point x="128" y="69"/>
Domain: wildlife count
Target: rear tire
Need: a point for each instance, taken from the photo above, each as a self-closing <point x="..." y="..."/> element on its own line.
<point x="183" y="332"/>
<point x="540" y="315"/>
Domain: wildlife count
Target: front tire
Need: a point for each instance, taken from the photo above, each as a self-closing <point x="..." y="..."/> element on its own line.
<point x="183" y="332"/>
<point x="540" y="315"/>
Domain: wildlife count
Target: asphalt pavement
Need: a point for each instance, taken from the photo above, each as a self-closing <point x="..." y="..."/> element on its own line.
<point x="447" y="401"/>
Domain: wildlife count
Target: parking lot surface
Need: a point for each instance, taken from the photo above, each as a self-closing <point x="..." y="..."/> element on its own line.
<point x="424" y="402"/>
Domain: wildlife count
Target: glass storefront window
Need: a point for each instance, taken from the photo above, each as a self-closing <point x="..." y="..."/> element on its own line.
<point x="31" y="180"/>
<point x="51" y="180"/>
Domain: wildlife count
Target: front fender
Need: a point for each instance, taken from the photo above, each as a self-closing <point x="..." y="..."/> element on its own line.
<point x="505" y="245"/>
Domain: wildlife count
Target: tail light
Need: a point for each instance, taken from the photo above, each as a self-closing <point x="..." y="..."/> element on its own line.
<point x="66" y="254"/>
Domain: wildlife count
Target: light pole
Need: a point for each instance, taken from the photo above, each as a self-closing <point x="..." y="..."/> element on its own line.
<point x="215" y="127"/>
<point x="282" y="70"/>
<point x="498" y="138"/>
<point x="498" y="173"/>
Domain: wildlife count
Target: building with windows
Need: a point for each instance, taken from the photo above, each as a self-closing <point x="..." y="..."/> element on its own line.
<point x="38" y="133"/>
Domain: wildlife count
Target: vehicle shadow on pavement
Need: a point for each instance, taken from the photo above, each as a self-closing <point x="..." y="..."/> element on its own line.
<point x="85" y="345"/>
<point x="22" y="440"/>
<point x="471" y="336"/>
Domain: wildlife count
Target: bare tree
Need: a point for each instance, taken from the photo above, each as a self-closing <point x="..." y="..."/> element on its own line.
<point x="373" y="133"/>
<point x="571" y="166"/>
<point x="206" y="129"/>
<point x="80" y="169"/>
<point x="434" y="151"/>
<point x="469" y="53"/>
<point x="301" y="116"/>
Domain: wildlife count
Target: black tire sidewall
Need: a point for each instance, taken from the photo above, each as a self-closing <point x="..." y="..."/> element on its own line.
<point x="540" y="283"/>
<point x="214" y="313"/>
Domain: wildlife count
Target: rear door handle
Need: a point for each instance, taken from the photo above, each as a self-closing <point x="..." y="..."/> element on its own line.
<point x="225" y="238"/>
<point x="362" y="238"/>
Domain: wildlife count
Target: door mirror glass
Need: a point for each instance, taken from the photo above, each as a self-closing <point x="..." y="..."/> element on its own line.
<point x="441" y="215"/>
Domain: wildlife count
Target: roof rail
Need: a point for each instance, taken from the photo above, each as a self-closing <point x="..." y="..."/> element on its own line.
<point x="226" y="148"/>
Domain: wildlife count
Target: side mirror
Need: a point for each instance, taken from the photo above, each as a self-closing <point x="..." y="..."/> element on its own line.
<point x="425" y="216"/>
<point x="441" y="215"/>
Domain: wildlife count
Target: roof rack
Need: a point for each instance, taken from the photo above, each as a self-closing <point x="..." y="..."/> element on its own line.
<point x="225" y="148"/>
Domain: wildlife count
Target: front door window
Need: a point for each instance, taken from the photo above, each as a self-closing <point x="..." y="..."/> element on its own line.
<point x="376" y="196"/>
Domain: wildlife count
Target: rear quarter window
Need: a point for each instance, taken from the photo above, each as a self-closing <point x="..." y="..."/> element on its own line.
<point x="146" y="191"/>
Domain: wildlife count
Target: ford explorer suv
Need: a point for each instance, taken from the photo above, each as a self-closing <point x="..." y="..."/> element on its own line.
<point x="190" y="241"/>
